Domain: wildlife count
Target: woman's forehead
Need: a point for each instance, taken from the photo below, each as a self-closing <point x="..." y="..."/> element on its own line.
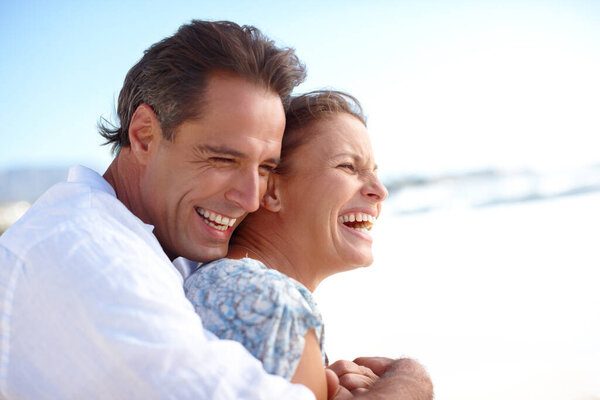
<point x="341" y="130"/>
<point x="336" y="137"/>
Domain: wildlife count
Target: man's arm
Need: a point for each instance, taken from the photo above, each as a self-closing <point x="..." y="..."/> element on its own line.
<point x="80" y="318"/>
<point x="373" y="378"/>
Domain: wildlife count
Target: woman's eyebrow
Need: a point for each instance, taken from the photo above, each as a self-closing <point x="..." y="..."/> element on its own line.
<point x="355" y="157"/>
<point x="350" y="154"/>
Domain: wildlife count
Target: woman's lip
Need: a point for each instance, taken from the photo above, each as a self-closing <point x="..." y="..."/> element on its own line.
<point x="363" y="235"/>
<point x="368" y="211"/>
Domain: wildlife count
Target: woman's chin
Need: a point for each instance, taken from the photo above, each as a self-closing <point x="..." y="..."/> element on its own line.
<point x="357" y="259"/>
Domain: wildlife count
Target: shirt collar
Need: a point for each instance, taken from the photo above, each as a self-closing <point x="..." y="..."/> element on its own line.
<point x="81" y="174"/>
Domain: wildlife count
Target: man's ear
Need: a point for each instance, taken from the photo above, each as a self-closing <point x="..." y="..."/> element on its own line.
<point x="144" y="132"/>
<point x="271" y="200"/>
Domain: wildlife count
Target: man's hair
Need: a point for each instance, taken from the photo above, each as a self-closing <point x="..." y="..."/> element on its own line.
<point x="305" y="109"/>
<point x="173" y="74"/>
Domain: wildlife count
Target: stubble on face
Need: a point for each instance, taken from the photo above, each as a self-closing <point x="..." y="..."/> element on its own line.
<point x="218" y="163"/>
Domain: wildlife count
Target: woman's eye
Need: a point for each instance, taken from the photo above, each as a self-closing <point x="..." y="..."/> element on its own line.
<point x="347" y="166"/>
<point x="266" y="169"/>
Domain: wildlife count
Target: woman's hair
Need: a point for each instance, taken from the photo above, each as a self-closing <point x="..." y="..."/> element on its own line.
<point x="305" y="109"/>
<point x="172" y="75"/>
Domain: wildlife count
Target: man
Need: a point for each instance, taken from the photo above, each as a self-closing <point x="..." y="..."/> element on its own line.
<point x="90" y="304"/>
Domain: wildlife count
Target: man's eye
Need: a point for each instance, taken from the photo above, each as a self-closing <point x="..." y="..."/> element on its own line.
<point x="222" y="160"/>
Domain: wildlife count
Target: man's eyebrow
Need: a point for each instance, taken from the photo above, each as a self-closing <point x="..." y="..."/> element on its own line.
<point x="224" y="150"/>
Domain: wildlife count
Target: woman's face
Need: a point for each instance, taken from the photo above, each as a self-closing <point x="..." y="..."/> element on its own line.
<point x="331" y="195"/>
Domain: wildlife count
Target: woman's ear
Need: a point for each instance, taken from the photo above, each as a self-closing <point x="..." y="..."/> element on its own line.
<point x="271" y="200"/>
<point x="144" y="131"/>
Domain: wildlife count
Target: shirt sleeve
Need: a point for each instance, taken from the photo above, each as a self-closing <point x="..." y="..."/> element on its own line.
<point x="88" y="325"/>
<point x="244" y="301"/>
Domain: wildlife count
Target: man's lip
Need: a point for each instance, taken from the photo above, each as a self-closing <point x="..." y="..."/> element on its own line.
<point x="210" y="229"/>
<point x="217" y="219"/>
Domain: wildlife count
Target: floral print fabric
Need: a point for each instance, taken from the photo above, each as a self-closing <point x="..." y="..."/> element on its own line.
<point x="265" y="310"/>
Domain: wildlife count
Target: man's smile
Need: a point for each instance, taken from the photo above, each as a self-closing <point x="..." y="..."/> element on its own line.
<point x="217" y="221"/>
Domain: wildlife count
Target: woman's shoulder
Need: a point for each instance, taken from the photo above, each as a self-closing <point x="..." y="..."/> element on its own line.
<point x="250" y="285"/>
<point x="233" y="272"/>
<point x="265" y="310"/>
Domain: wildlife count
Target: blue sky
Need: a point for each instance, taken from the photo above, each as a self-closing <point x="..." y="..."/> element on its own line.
<point x="447" y="85"/>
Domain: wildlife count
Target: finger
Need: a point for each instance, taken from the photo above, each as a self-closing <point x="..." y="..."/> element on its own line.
<point x="376" y="364"/>
<point x="333" y="383"/>
<point x="342" y="367"/>
<point x="357" y="381"/>
<point x="343" y="394"/>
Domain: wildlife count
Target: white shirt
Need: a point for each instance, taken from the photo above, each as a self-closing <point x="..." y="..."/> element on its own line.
<point x="92" y="308"/>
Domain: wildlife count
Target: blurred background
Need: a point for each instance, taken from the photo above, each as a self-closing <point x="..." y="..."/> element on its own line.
<point x="484" y="120"/>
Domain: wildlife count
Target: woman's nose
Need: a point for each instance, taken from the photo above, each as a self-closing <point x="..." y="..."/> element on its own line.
<point x="374" y="189"/>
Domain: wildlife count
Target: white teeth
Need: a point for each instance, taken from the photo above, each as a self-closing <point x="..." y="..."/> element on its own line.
<point x="358" y="217"/>
<point x="218" y="227"/>
<point x="217" y="221"/>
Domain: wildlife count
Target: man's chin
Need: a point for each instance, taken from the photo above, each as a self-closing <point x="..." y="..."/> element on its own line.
<point x="207" y="254"/>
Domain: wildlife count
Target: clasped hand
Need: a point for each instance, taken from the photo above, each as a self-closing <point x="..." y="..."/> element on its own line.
<point x="404" y="379"/>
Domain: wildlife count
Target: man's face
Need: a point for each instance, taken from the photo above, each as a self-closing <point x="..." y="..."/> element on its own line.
<point x="197" y="188"/>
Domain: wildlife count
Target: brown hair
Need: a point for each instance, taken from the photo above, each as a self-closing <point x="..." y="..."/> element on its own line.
<point x="173" y="73"/>
<point x="307" y="108"/>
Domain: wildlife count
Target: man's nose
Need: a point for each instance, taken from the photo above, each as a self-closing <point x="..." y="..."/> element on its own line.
<point x="245" y="190"/>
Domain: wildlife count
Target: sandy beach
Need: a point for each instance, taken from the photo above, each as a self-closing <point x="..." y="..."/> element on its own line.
<point x="498" y="302"/>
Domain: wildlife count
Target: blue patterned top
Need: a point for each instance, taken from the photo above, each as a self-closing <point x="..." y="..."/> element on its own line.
<point x="265" y="310"/>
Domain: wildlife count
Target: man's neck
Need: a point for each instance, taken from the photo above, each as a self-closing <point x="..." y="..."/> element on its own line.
<point x="124" y="175"/>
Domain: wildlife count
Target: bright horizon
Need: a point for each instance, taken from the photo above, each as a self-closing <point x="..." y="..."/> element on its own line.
<point x="447" y="86"/>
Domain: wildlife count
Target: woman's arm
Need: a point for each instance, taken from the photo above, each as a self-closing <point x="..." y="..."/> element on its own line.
<point x="311" y="371"/>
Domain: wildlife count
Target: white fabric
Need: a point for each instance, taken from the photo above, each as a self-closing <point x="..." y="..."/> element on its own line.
<point x="185" y="266"/>
<point x="92" y="308"/>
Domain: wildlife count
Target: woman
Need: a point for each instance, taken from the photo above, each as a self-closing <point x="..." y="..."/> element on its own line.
<point x="314" y="221"/>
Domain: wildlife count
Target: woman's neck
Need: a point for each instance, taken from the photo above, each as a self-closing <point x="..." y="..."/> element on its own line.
<point x="275" y="253"/>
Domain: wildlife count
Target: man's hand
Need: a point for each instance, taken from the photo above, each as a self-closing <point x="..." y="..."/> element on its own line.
<point x="382" y="378"/>
<point x="352" y="376"/>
